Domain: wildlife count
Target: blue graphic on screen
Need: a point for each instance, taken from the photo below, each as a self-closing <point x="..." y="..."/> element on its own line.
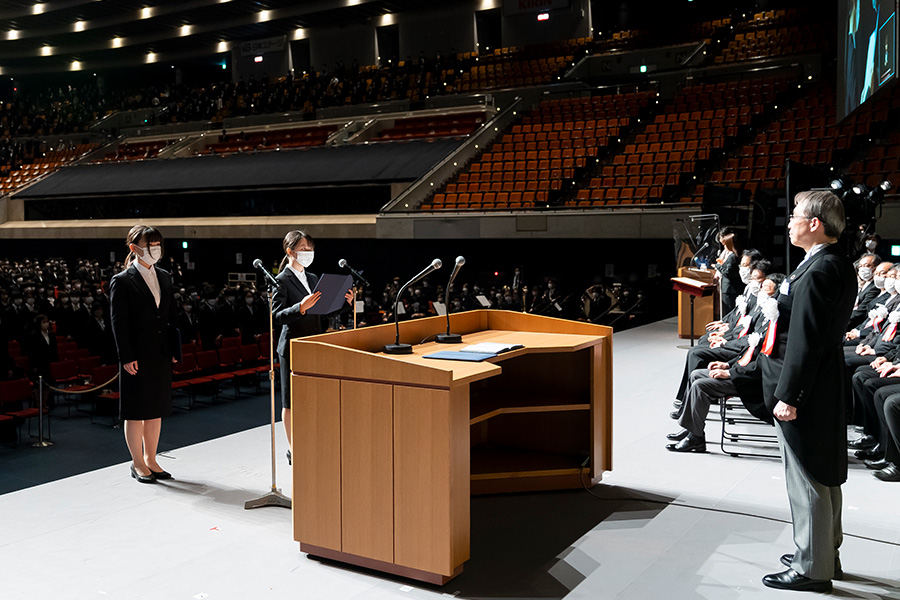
<point x="867" y="50"/>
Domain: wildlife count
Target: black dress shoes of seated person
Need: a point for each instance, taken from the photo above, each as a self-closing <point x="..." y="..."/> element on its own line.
<point x="675" y="414"/>
<point x="889" y="473"/>
<point x="873" y="453"/>
<point x="142" y="478"/>
<point x="792" y="580"/>
<point x="788" y="559"/>
<point x="677" y="437"/>
<point x="677" y="403"/>
<point x="876" y="464"/>
<point x="862" y="443"/>
<point x="690" y="443"/>
<point x="160" y="474"/>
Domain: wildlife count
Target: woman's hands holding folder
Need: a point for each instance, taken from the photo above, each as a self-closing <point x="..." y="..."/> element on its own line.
<point x="309" y="301"/>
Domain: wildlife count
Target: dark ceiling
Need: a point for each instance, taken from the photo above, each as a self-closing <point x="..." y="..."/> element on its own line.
<point x="210" y="21"/>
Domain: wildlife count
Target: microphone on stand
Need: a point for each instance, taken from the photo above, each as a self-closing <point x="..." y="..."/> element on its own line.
<point x="451" y="338"/>
<point x="701" y="249"/>
<point x="345" y="265"/>
<point x="273" y="283"/>
<point x="397" y="347"/>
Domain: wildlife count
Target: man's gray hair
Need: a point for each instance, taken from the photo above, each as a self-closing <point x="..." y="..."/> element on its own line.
<point x="826" y="207"/>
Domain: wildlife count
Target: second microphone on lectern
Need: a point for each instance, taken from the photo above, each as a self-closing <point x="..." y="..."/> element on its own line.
<point x="397" y="347"/>
<point x="451" y="338"/>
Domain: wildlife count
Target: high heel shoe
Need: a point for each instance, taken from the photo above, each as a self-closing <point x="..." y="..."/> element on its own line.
<point x="160" y="474"/>
<point x="142" y="478"/>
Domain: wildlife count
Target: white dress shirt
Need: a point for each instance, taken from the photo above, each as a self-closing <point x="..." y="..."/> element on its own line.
<point x="150" y="278"/>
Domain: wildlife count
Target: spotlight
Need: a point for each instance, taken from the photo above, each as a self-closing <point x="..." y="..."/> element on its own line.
<point x="837" y="185"/>
<point x="885" y="186"/>
<point x="859" y="189"/>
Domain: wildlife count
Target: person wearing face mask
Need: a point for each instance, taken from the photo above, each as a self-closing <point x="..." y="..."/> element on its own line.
<point x="142" y="318"/>
<point x="289" y="309"/>
<point x="868" y="291"/>
<point x="749" y="258"/>
<point x="868" y="330"/>
<point x="253" y="318"/>
<point x="719" y="346"/>
<point x="728" y="270"/>
<point x="100" y="337"/>
<point x="716" y="380"/>
<point x="208" y="320"/>
<point x="187" y="322"/>
<point x="227" y="313"/>
<point x="881" y="297"/>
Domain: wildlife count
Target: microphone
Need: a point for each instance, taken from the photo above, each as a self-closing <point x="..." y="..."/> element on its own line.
<point x="703" y="247"/>
<point x="451" y="338"/>
<point x="345" y="265"/>
<point x="397" y="347"/>
<point x="273" y="283"/>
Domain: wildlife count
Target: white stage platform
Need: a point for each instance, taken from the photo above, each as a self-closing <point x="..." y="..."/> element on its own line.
<point x="665" y="526"/>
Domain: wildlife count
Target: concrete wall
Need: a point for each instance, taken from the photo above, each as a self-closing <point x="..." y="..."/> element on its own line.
<point x="564" y="24"/>
<point x="345" y="44"/>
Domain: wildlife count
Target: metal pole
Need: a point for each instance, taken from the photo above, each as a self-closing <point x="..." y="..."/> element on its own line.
<point x="41" y="443"/>
<point x="274" y="497"/>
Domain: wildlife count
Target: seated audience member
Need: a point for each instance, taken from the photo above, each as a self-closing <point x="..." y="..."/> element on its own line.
<point x="868" y="291"/>
<point x="888" y="408"/>
<point x="253" y="318"/>
<point x="716" y="381"/>
<point x="749" y="259"/>
<point x="889" y="293"/>
<point x="719" y="348"/>
<point x="208" y="322"/>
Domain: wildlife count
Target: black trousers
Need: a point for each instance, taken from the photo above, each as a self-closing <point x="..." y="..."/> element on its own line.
<point x="699" y="357"/>
<point x="865" y="383"/>
<point x="888" y="408"/>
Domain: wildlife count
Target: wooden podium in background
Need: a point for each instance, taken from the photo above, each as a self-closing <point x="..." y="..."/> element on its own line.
<point x="706" y="308"/>
<point x="388" y="448"/>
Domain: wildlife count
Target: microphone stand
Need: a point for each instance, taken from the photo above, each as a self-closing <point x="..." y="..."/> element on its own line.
<point x="397" y="347"/>
<point x="274" y="497"/>
<point x="450" y="338"/>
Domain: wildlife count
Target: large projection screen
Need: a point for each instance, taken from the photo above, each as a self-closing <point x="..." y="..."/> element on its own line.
<point x="867" y="51"/>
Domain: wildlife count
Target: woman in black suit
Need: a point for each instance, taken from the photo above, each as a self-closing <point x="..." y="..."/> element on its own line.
<point x="42" y="349"/>
<point x="290" y="305"/>
<point x="142" y="311"/>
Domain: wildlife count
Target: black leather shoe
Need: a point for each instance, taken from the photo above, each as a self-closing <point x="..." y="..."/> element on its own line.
<point x="873" y="453"/>
<point x="862" y="443"/>
<point x="889" y="473"/>
<point x="288" y="456"/>
<point x="788" y="559"/>
<point x="792" y="580"/>
<point x="161" y="474"/>
<point x="690" y="443"/>
<point x="876" y="464"/>
<point x="677" y="437"/>
<point x="142" y="478"/>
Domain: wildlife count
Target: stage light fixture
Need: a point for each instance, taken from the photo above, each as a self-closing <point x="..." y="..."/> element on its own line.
<point x="886" y="185"/>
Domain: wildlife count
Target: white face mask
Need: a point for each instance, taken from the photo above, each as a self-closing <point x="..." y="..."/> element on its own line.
<point x="151" y="254"/>
<point x="753" y="287"/>
<point x="889" y="284"/>
<point x="879" y="282"/>
<point x="304" y="258"/>
<point x="865" y="273"/>
<point x="871" y="245"/>
<point x="745" y="274"/>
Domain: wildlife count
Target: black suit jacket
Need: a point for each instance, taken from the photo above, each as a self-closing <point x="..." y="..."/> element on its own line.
<point x="806" y="368"/>
<point x="141" y="330"/>
<point x="286" y="310"/>
<point x="865" y="301"/>
<point x="730" y="282"/>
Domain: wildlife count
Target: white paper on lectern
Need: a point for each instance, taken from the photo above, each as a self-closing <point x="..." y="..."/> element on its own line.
<point x="401" y="310"/>
<point x="360" y="306"/>
<point x="484" y="301"/>
<point x="439" y="308"/>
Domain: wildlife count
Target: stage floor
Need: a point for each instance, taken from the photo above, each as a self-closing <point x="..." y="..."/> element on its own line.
<point x="661" y="525"/>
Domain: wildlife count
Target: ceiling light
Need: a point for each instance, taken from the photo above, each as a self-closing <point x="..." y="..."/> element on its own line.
<point x="185" y="30"/>
<point x="47" y="51"/>
<point x="151" y="57"/>
<point x="300" y="33"/>
<point x="222" y="47"/>
<point x="146" y="12"/>
<point x="12" y="34"/>
<point x="79" y="25"/>
<point x="386" y="19"/>
<point x="263" y="15"/>
<point x="37" y="9"/>
<point x="76" y="66"/>
<point x="116" y="42"/>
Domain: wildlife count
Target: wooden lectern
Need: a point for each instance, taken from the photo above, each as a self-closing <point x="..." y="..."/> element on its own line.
<point x="692" y="288"/>
<point x="706" y="308"/>
<point x="388" y="448"/>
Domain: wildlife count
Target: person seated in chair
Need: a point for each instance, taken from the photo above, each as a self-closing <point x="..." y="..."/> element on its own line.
<point x="722" y="379"/>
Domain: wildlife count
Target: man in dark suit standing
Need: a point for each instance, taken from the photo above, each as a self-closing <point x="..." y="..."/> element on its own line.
<point x="803" y="384"/>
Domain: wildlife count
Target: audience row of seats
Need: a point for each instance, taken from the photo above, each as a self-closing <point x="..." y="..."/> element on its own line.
<point x="270" y="140"/>
<point x="12" y="179"/>
<point x="136" y="151"/>
<point x="433" y="126"/>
